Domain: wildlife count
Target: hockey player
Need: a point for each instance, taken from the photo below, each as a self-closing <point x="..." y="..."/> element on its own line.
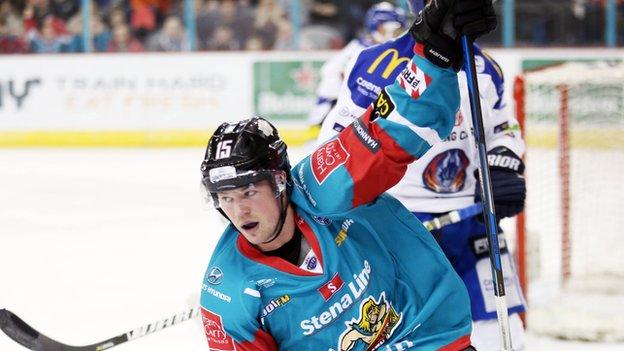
<point x="383" y="21"/>
<point x="444" y="179"/>
<point x="317" y="258"/>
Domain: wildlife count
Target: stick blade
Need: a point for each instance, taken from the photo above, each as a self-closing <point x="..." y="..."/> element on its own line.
<point x="22" y="333"/>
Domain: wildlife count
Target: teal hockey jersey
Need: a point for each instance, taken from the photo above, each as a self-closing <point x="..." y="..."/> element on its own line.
<point x="380" y="281"/>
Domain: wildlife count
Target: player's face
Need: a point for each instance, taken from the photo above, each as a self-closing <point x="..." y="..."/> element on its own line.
<point x="253" y="210"/>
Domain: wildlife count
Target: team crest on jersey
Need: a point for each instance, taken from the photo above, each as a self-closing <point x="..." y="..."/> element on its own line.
<point x="377" y="322"/>
<point x="446" y="173"/>
<point x="327" y="159"/>
<point x="322" y="220"/>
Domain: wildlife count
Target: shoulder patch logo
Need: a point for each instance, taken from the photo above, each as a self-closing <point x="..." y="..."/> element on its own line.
<point x="327" y="159"/>
<point x="383" y="106"/>
<point x="413" y="80"/>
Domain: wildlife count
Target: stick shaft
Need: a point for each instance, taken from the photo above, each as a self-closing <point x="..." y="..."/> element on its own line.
<point x="486" y="193"/>
<point x="22" y="333"/>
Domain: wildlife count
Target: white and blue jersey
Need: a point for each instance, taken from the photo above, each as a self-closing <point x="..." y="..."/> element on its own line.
<point x="378" y="280"/>
<point x="444" y="178"/>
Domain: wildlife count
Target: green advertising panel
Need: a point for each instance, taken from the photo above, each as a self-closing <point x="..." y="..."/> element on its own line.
<point x="592" y="103"/>
<point x="285" y="89"/>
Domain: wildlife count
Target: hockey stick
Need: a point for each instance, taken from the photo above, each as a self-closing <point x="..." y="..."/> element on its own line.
<point x="22" y="333"/>
<point x="453" y="217"/>
<point x="486" y="194"/>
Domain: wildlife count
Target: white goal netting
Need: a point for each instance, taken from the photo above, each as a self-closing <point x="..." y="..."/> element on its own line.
<point x="574" y="218"/>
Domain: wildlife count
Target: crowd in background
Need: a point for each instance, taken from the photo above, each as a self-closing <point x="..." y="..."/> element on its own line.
<point x="55" y="26"/>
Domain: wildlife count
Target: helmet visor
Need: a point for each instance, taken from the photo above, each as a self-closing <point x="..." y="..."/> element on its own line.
<point x="227" y="178"/>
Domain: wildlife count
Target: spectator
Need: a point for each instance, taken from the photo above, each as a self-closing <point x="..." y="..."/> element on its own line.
<point x="208" y="15"/>
<point x="229" y="20"/>
<point x="64" y="9"/>
<point x="269" y="20"/>
<point x="223" y="40"/>
<point x="254" y="43"/>
<point x="99" y="31"/>
<point x="170" y="37"/>
<point x="117" y="16"/>
<point x="324" y="30"/>
<point x="48" y="40"/>
<point x="10" y="43"/>
<point x="147" y="15"/>
<point x="12" y="20"/>
<point x="123" y="41"/>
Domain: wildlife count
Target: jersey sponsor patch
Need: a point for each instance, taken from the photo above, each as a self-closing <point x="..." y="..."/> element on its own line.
<point x="338" y="127"/>
<point x="413" y="80"/>
<point x="215" y="277"/>
<point x="218" y="339"/>
<point x="327" y="158"/>
<point x="331" y="287"/>
<point x="275" y="304"/>
<point x="365" y="137"/>
<point x="383" y="106"/>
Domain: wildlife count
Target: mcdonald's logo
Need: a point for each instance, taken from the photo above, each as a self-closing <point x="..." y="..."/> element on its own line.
<point x="395" y="61"/>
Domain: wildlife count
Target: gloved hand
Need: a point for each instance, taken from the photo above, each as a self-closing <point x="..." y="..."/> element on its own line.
<point x="440" y="24"/>
<point x="508" y="184"/>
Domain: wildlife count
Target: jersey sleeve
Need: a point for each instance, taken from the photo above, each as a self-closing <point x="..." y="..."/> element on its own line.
<point x="227" y="314"/>
<point x="371" y="155"/>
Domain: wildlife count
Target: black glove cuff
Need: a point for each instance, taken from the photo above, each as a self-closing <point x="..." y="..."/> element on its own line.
<point x="443" y="51"/>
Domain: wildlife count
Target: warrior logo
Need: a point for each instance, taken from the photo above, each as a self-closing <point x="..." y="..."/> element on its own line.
<point x="446" y="173"/>
<point x="377" y="322"/>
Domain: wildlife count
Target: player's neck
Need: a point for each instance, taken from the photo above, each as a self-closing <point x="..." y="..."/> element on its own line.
<point x="285" y="235"/>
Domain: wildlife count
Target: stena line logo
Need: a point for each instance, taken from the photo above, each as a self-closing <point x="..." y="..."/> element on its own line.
<point x="350" y="295"/>
<point x="331" y="287"/>
<point x="327" y="158"/>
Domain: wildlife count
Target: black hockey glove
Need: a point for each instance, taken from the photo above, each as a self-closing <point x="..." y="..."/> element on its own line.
<point x="508" y="184"/>
<point x="441" y="23"/>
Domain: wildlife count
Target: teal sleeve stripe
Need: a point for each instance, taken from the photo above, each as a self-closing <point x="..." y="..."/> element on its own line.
<point x="436" y="108"/>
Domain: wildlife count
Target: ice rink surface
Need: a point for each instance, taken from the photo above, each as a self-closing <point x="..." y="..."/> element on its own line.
<point x="97" y="242"/>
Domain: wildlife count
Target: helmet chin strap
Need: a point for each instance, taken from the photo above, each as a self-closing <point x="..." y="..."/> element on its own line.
<point x="282" y="219"/>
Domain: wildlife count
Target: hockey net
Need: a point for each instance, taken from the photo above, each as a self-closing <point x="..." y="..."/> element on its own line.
<point x="570" y="239"/>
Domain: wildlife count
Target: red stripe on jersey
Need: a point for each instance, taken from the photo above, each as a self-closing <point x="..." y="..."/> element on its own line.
<point x="279" y="263"/>
<point x="373" y="172"/>
<point x="457" y="345"/>
<point x="419" y="49"/>
<point x="263" y="341"/>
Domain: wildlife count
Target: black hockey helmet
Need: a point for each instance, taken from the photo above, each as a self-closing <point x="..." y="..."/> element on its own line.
<point x="244" y="152"/>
